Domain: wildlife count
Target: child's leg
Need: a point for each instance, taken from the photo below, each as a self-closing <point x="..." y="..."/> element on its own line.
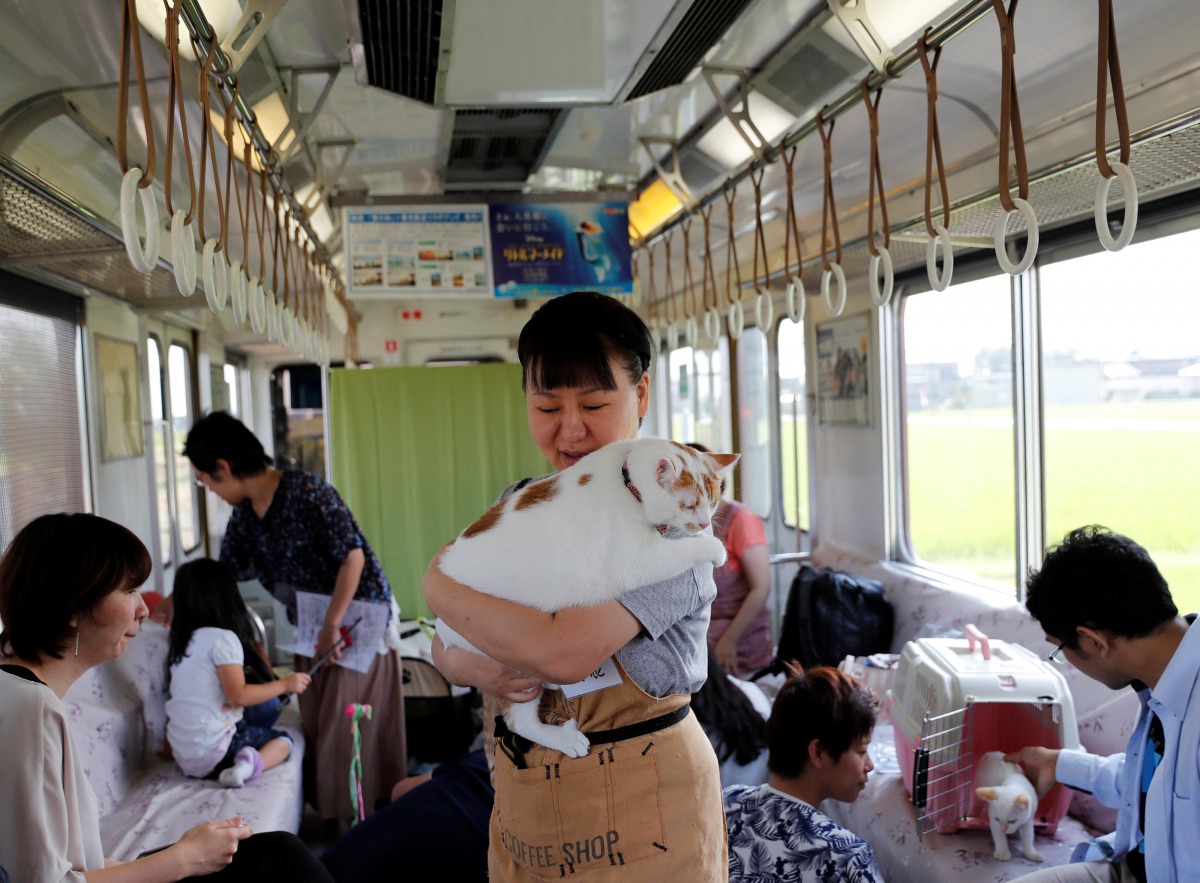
<point x="275" y="752"/>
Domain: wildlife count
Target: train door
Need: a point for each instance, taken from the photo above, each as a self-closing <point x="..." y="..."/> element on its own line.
<point x="177" y="499"/>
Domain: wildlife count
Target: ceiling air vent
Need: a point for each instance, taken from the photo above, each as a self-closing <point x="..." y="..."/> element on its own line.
<point x="804" y="73"/>
<point x="699" y="29"/>
<point x="398" y="46"/>
<point x="498" y="146"/>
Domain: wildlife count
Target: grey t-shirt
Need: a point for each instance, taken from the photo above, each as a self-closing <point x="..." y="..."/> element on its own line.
<point x="670" y="654"/>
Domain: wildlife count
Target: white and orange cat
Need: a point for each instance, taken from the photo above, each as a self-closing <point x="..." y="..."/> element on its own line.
<point x="1011" y="803"/>
<point x="630" y="514"/>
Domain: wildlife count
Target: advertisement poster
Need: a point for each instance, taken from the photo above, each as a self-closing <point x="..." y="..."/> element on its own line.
<point x="843" y="368"/>
<point x="546" y="249"/>
<point x="424" y="250"/>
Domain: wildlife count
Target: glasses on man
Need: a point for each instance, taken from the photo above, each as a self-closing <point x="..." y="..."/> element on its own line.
<point x="1056" y="655"/>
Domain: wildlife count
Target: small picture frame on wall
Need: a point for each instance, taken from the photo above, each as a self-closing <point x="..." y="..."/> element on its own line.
<point x="120" y="398"/>
<point x="844" y="372"/>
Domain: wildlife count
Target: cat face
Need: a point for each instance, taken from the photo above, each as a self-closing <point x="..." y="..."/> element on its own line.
<point x="690" y="487"/>
<point x="570" y="422"/>
<point x="1008" y="807"/>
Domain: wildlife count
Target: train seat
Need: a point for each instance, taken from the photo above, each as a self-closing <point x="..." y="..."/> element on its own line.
<point x="117" y="714"/>
<point x="884" y="816"/>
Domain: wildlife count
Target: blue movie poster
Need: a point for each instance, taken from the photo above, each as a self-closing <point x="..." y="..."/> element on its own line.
<point x="543" y="250"/>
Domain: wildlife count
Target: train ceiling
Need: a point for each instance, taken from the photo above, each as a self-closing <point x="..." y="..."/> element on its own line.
<point x="404" y="100"/>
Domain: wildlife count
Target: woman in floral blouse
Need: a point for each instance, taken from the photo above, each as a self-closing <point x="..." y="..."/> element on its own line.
<point x="817" y="738"/>
<point x="294" y="533"/>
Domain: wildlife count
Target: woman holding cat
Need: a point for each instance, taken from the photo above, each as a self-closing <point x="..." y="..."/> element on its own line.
<point x="645" y="802"/>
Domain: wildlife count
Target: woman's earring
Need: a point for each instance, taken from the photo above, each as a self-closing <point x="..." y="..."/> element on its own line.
<point x="76" y="640"/>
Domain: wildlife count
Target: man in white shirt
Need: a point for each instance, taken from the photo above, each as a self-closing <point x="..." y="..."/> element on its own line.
<point x="1102" y="602"/>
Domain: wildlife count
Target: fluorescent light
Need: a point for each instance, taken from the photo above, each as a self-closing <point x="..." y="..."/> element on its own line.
<point x="654" y="207"/>
<point x="726" y="145"/>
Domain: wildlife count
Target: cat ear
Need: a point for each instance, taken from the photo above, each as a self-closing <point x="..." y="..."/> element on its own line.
<point x="666" y="471"/>
<point x="1021" y="801"/>
<point x="724" y="461"/>
<point x="988" y="794"/>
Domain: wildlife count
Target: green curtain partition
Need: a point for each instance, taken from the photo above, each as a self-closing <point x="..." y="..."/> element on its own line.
<point x="420" y="453"/>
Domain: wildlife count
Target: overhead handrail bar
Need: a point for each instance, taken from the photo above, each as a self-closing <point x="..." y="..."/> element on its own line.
<point x="1108" y="65"/>
<point x="937" y="36"/>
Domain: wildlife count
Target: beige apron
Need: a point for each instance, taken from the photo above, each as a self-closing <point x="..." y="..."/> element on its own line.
<point x="641" y="808"/>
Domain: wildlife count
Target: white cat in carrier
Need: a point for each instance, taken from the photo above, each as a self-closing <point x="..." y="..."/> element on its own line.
<point x="954" y="701"/>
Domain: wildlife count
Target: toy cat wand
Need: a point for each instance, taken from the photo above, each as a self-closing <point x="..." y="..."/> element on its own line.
<point x="344" y="639"/>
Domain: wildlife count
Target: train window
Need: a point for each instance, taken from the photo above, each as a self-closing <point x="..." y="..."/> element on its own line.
<point x="41" y="453"/>
<point x="793" y="424"/>
<point x="698" y="396"/>
<point x="299" y="416"/>
<point x="1121" y="393"/>
<point x="959" y="448"/>
<point x="179" y="376"/>
<point x="158" y="418"/>
<point x="754" y="416"/>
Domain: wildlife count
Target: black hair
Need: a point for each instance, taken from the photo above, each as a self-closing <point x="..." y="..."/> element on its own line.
<point x="569" y="341"/>
<point x="823" y="704"/>
<point x="206" y="595"/>
<point x="1102" y="580"/>
<point x="221" y="436"/>
<point x="58" y="567"/>
<point x="728" y="717"/>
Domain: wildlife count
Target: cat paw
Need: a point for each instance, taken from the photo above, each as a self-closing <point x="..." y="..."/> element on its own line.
<point x="1034" y="856"/>
<point x="570" y="741"/>
<point x="1002" y="854"/>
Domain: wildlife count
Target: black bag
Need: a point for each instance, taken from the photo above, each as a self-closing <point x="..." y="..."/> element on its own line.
<point x="830" y="615"/>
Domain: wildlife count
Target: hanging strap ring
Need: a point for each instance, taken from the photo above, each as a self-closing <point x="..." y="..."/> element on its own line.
<point x="691" y="330"/>
<point x="796" y="299"/>
<point x="939" y="282"/>
<point x="1001" y="235"/>
<point x="737" y="319"/>
<point x="183" y="253"/>
<point x="881" y="295"/>
<point x="216" y="276"/>
<point x="712" y="324"/>
<point x="834" y="307"/>
<point x="764" y="310"/>
<point x="238" y="296"/>
<point x="143" y="257"/>
<point x="1129" y="224"/>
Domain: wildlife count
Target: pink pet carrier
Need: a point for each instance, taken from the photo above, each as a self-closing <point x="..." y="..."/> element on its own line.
<point x="955" y="700"/>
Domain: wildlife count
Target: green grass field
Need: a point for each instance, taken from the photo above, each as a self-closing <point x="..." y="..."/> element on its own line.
<point x="1133" y="467"/>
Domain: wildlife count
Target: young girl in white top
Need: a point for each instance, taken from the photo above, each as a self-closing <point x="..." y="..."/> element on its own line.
<point x="210" y="728"/>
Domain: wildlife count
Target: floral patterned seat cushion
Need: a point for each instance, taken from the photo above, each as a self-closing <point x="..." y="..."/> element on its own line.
<point x="117" y="715"/>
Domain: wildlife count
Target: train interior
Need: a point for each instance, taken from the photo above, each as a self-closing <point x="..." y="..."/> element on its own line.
<point x="878" y="244"/>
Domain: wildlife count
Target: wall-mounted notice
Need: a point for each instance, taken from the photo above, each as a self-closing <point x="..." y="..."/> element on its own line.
<point x="543" y="249"/>
<point x="426" y="250"/>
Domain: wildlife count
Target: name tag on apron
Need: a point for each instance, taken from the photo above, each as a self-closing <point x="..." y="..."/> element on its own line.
<point x="602" y="678"/>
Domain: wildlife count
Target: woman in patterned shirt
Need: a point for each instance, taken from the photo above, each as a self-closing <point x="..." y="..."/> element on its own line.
<point x="294" y="533"/>
<point x="817" y="738"/>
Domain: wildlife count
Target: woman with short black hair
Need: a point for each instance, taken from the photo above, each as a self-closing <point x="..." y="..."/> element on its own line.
<point x="69" y="601"/>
